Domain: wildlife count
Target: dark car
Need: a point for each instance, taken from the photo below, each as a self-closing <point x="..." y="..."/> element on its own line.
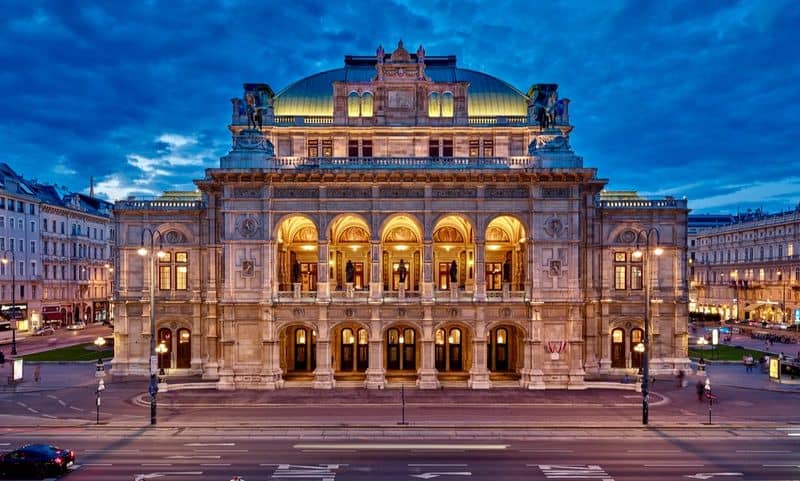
<point x="40" y="460"/>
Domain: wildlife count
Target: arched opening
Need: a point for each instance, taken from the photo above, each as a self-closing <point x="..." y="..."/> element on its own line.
<point x="362" y="355"/>
<point x="353" y="104"/>
<point x="618" y="348"/>
<point x="447" y="104"/>
<point x="304" y="349"/>
<point x="184" y="350"/>
<point x="402" y="254"/>
<point x="350" y="252"/>
<point x="637" y="358"/>
<point x="165" y="339"/>
<point x="448" y="349"/>
<point x="505" y="254"/>
<point x="366" y="104"/>
<point x="348" y="349"/>
<point x="453" y="253"/>
<point x="297" y="254"/>
<point x="434" y="105"/>
<point x="498" y="349"/>
<point x="401" y="349"/>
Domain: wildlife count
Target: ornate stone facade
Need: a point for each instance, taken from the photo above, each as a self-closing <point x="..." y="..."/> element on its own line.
<point x="512" y="270"/>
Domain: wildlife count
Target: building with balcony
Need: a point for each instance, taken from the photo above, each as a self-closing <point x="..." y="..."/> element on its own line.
<point x="748" y="268"/>
<point x="77" y="249"/>
<point x="400" y="219"/>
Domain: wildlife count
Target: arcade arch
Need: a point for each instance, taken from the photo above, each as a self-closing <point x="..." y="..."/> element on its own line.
<point x="453" y="252"/>
<point x="297" y="257"/>
<point x="401" y="251"/>
<point x="350" y="252"/>
<point x="505" y="254"/>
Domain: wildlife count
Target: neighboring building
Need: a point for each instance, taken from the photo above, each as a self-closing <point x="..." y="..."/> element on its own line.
<point x="63" y="247"/>
<point x="748" y="269"/>
<point x="420" y="222"/>
<point x="19" y="249"/>
<point x="78" y="256"/>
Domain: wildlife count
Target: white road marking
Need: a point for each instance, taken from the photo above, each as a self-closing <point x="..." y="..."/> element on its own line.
<point x="97" y="464"/>
<point x="436" y="475"/>
<point x="435" y="465"/>
<point x="415" y="447"/>
<point x="209" y="444"/>
<point x="674" y="465"/>
<point x="561" y="471"/>
<point x="710" y="475"/>
<point x="62" y="402"/>
<point x="49" y="416"/>
<point x="545" y="451"/>
<point x="783" y="451"/>
<point x="22" y="404"/>
<point x="215" y="464"/>
<point x="5" y="444"/>
<point x="654" y="451"/>
<point x="52" y="397"/>
<point x="781" y="466"/>
<point x="77" y="409"/>
<point x="33" y="411"/>
<point x="156" y="464"/>
<point x="181" y="456"/>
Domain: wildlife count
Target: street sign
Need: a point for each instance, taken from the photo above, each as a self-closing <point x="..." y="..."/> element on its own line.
<point x="153" y="365"/>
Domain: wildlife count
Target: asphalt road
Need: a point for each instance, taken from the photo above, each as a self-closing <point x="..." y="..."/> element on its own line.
<point x="28" y="344"/>
<point x="631" y="456"/>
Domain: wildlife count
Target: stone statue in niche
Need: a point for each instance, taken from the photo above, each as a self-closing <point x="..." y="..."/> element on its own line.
<point x="507" y="271"/>
<point x="349" y="272"/>
<point x="248" y="269"/>
<point x="453" y="272"/>
<point x="402" y="271"/>
<point x="295" y="272"/>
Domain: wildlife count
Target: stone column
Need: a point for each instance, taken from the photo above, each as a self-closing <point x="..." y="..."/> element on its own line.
<point x="479" y="373"/>
<point x="532" y="375"/>
<point x="376" y="372"/>
<point x="428" y="375"/>
<point x="376" y="266"/>
<point x="480" y="271"/>
<point x="323" y="266"/>
<point x="427" y="270"/>
<point x="271" y="373"/>
<point x="575" y="342"/>
<point x="323" y="374"/>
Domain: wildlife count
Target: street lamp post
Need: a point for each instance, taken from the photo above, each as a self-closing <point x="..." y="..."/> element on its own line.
<point x="152" y="235"/>
<point x="645" y="236"/>
<point x="101" y="373"/>
<point x="783" y="298"/>
<point x="13" y="310"/>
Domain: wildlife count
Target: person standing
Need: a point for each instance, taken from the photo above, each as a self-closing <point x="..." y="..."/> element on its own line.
<point x="701" y="389"/>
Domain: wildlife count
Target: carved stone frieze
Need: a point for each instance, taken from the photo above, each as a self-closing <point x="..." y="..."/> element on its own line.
<point x="454" y="192"/>
<point x="247" y="192"/>
<point x="498" y="193"/>
<point x="348" y="193"/>
<point x="401" y="193"/>
<point x="294" y="193"/>
<point x="556" y="193"/>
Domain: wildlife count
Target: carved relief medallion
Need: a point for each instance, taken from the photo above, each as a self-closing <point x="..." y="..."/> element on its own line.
<point x="174" y="237"/>
<point x="555" y="268"/>
<point x="554" y="227"/>
<point x="248" y="268"/>
<point x="248" y="226"/>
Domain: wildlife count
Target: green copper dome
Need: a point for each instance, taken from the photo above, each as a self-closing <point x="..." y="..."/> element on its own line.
<point x="488" y="96"/>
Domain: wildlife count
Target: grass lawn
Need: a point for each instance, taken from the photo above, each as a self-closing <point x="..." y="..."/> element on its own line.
<point x="80" y="352"/>
<point x="724" y="353"/>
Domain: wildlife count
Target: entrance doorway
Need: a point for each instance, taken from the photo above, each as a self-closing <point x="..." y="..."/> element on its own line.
<point x="184" y="351"/>
<point x="448" y="350"/>
<point x="618" y="348"/>
<point x="304" y="350"/>
<point x="497" y="351"/>
<point x="401" y="349"/>
<point x="444" y="276"/>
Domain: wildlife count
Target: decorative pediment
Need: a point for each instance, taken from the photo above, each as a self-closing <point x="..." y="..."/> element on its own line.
<point x="496" y="234"/>
<point x="400" y="54"/>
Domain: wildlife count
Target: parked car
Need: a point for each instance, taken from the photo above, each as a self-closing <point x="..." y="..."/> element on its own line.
<point x="44" y="331"/>
<point x="76" y="326"/>
<point x="40" y="460"/>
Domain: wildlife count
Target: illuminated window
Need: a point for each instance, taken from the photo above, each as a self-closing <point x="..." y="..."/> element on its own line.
<point x="367" y="103"/>
<point x="434" y="105"/>
<point x="447" y="104"/>
<point x="164" y="277"/>
<point x="439" y="337"/>
<point x="616" y="336"/>
<point x="636" y="277"/>
<point x="474" y="147"/>
<point x="619" y="277"/>
<point x="327" y="148"/>
<point x="455" y="336"/>
<point x="488" y="148"/>
<point x="313" y="148"/>
<point x="353" y="105"/>
<point x="637" y="336"/>
<point x="362" y="337"/>
<point x="347" y="336"/>
<point x="408" y="336"/>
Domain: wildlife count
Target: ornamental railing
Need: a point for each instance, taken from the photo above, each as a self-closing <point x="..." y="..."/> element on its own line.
<point x="159" y="205"/>
<point x="666" y="203"/>
<point x="406" y="162"/>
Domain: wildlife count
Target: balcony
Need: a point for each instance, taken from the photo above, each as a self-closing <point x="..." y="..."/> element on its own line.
<point x="662" y="203"/>
<point x="159" y="205"/>
<point x="374" y="163"/>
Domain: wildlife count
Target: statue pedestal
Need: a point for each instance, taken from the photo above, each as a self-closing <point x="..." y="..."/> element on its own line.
<point x="296" y="290"/>
<point x="506" y="290"/>
<point x="428" y="379"/>
<point x="349" y="290"/>
<point x="453" y="291"/>
<point x="401" y="291"/>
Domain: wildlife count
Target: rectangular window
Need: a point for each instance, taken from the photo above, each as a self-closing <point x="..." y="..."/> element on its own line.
<point x="11" y="204"/>
<point x="32" y="210"/>
<point x="313" y="148"/>
<point x="636" y="277"/>
<point x="33" y="268"/>
<point x="21" y="268"/>
<point x="11" y="244"/>
<point x="62" y="226"/>
<point x="488" y="148"/>
<point x="2" y="202"/>
<point x="352" y="148"/>
<point x="619" y="277"/>
<point x="180" y="277"/>
<point x="21" y="207"/>
<point x="433" y="148"/>
<point x="447" y="148"/>
<point x="366" y="148"/>
<point x="2" y="243"/>
<point x="474" y="147"/>
<point x="164" y="277"/>
<point x="620" y="257"/>
<point x="327" y="148"/>
<point x="2" y="222"/>
<point x="20" y="224"/>
<point x="33" y="247"/>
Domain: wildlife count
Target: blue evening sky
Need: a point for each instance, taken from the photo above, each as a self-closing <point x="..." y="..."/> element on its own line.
<point x="684" y="98"/>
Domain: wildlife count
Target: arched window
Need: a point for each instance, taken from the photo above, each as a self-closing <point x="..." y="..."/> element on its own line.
<point x="455" y="352"/>
<point x="353" y="105"/>
<point x="366" y="104"/>
<point x="637" y="337"/>
<point x="447" y="104"/>
<point x="347" y="348"/>
<point x="617" y="348"/>
<point x="434" y="105"/>
<point x="362" y="356"/>
<point x="184" y="358"/>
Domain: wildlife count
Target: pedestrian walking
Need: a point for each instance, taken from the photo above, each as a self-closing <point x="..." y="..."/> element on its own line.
<point x="37" y="374"/>
<point x="701" y="389"/>
<point x="681" y="376"/>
